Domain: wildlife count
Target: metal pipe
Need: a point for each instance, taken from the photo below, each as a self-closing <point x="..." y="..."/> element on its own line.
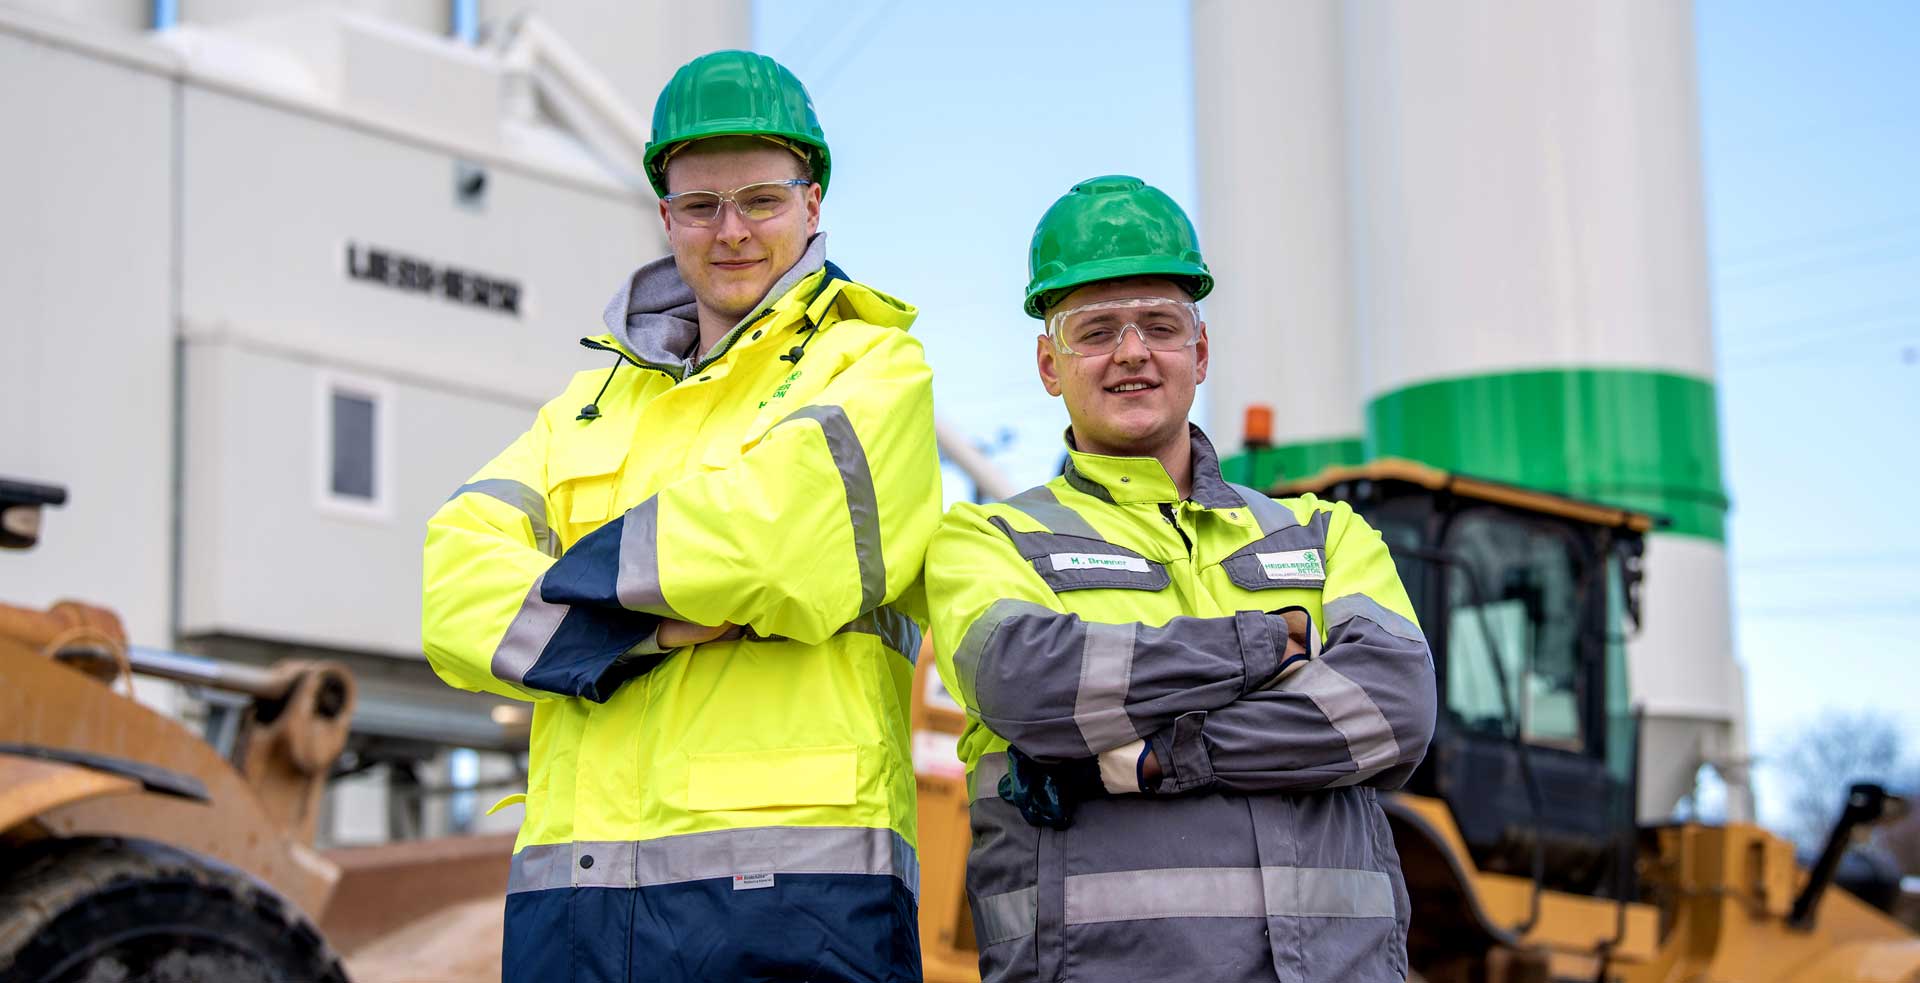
<point x="466" y="21"/>
<point x="1866" y="802"/>
<point x="194" y="670"/>
<point x="991" y="483"/>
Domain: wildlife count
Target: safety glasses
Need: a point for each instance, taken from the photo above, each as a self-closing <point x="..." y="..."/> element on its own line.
<point x="1096" y="329"/>
<point x="755" y="202"/>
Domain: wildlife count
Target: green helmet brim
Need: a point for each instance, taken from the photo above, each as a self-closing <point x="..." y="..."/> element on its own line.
<point x="1192" y="277"/>
<point x="1109" y="228"/>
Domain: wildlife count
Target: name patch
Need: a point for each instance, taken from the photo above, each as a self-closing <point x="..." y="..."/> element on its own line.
<point x="1293" y="565"/>
<point x="1097" y="561"/>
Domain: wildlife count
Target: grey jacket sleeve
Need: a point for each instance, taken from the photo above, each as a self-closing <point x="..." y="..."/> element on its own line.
<point x="1060" y="687"/>
<point x="1359" y="714"/>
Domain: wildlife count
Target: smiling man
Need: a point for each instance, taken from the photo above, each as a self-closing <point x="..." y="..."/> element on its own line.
<point x="1181" y="694"/>
<point x="694" y="565"/>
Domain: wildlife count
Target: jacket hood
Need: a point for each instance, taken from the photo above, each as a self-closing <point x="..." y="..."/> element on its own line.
<point x="655" y="317"/>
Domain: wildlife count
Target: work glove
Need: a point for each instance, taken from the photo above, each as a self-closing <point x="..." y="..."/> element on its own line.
<point x="1047" y="794"/>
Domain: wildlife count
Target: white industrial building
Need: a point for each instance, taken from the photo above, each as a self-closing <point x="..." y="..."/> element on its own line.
<point x="279" y="278"/>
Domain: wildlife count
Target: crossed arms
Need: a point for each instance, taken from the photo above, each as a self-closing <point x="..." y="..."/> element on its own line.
<point x="1207" y="696"/>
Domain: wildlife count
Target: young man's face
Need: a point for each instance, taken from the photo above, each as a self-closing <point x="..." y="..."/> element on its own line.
<point x="1134" y="400"/>
<point x="733" y="262"/>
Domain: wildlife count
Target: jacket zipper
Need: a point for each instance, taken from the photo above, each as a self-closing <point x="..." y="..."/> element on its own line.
<point x="623" y="353"/>
<point x="1166" y="512"/>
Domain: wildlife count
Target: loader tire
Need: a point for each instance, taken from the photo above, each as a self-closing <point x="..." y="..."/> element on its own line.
<point x="121" y="911"/>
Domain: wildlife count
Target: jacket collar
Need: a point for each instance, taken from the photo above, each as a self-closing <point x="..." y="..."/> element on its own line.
<point x="822" y="297"/>
<point x="655" y="319"/>
<point x="1144" y="480"/>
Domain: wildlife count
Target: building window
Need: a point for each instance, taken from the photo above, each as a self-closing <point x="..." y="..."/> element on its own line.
<point x="353" y="445"/>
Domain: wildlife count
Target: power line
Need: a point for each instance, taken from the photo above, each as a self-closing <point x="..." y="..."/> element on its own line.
<point x="1828" y="343"/>
<point x="808" y="41"/>
<point x="1829" y="559"/>
<point x="1818" y="266"/>
<point x="1834" y="331"/>
<point x="1826" y="612"/>
<point x="861" y="38"/>
<point x="1877" y="311"/>
<point x="1761" y="253"/>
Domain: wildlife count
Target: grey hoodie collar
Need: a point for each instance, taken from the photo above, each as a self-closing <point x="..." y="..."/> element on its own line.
<point x="654" y="314"/>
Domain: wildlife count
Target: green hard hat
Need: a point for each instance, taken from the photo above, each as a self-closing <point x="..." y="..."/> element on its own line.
<point x="1111" y="227"/>
<point x="735" y="93"/>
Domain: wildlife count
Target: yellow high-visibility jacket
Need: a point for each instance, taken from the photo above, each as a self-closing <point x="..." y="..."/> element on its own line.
<point x="741" y="808"/>
<point x="1101" y="616"/>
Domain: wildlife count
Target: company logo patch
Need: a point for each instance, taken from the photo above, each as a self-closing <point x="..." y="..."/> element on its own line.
<point x="752" y="882"/>
<point x="1293" y="565"/>
<point x="1097" y="561"/>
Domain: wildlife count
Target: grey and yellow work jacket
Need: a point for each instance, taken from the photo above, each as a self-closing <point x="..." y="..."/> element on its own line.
<point x="1103" y="616"/>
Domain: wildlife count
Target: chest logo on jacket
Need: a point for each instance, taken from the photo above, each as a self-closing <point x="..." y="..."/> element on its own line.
<point x="1293" y="565"/>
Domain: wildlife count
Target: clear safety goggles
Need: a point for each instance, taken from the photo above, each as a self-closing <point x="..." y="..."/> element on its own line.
<point x="1096" y="329"/>
<point x="755" y="202"/>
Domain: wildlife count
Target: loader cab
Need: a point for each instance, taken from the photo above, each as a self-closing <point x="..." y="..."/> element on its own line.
<point x="1527" y="599"/>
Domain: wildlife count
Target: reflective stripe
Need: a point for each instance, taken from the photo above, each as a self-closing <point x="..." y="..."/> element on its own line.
<point x="1228" y="892"/>
<point x="721" y="853"/>
<point x="1271" y="515"/>
<point x="1172" y="892"/>
<point x="529" y="502"/>
<point x="1327" y="892"/>
<point x="895" y="630"/>
<point x="637" y="583"/>
<point x="526" y="636"/>
<point x="1042" y="506"/>
<point x="538" y="868"/>
<point x="1004" y="917"/>
<point x="1346" y="705"/>
<point x="985" y="776"/>
<point x="1339" y="610"/>
<point x="863" y="506"/>
<point x="1100" y="704"/>
<point x="973" y="646"/>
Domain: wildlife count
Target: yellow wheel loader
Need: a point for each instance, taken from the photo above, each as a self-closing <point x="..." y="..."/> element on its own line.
<point x="1517" y="835"/>
<point x="132" y="849"/>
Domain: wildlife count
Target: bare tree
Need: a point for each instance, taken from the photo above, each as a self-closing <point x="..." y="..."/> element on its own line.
<point x="1833" y="751"/>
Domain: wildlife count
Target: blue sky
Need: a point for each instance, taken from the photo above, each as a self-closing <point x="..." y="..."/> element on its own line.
<point x="1813" y="215"/>
<point x="954" y="126"/>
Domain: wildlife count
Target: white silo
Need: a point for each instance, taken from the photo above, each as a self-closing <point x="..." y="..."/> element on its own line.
<point x="1272" y="174"/>
<point x="1531" y="297"/>
<point x="1518" y="265"/>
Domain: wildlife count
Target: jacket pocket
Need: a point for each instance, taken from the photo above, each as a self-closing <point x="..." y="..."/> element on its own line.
<point x="1292" y="557"/>
<point x="582" y="492"/>
<point x="584" y="467"/>
<point x="801" y="776"/>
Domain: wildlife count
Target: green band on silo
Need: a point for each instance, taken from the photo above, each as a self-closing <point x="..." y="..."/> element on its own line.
<point x="1263" y="467"/>
<point x="1639" y="439"/>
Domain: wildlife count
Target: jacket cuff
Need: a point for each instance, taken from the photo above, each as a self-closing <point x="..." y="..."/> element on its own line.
<point x="1182" y="751"/>
<point x="1261" y="645"/>
<point x="1120" y="768"/>
<point x="649" y="645"/>
<point x="588" y="653"/>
